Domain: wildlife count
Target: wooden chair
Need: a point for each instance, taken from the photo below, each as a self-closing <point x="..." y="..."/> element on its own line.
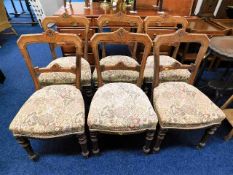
<point x="158" y="25"/>
<point x="56" y="110"/>
<point x="66" y="21"/>
<point x="229" y="116"/>
<point x="121" y="108"/>
<point x="179" y="105"/>
<point x="114" y="22"/>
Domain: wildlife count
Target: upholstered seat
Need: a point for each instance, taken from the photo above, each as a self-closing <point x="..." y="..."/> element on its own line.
<point x="66" y="77"/>
<point x="166" y="75"/>
<point x="181" y="105"/>
<point x="52" y="111"/>
<point x="118" y="75"/>
<point x="121" y="108"/>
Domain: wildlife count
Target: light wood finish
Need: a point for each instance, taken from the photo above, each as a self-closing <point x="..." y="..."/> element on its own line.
<point x="175" y="39"/>
<point x="123" y="37"/>
<point x="157" y="25"/>
<point x="51" y="37"/>
<point x="229" y="116"/>
<point x="117" y="20"/>
<point x="66" y="21"/>
<point x="4" y="23"/>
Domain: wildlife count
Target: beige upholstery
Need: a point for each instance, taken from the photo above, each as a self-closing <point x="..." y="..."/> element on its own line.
<point x="166" y="75"/>
<point x="52" y="111"/>
<point x="181" y="105"/>
<point x="65" y="77"/>
<point x="118" y="75"/>
<point x="121" y="108"/>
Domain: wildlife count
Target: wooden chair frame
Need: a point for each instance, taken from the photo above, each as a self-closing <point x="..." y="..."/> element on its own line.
<point x="225" y="105"/>
<point x="150" y="21"/>
<point x="174" y="40"/>
<point x="69" y="21"/>
<point x="117" y="18"/>
<point x="51" y="37"/>
<point x="120" y="36"/>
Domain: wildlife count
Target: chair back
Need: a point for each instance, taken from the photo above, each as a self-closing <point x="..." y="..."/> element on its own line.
<point x="120" y="36"/>
<point x="115" y="21"/>
<point x="51" y="37"/>
<point x="175" y="39"/>
<point x="65" y="24"/>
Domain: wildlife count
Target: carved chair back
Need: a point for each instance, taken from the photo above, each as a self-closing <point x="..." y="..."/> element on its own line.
<point x="158" y="25"/>
<point x="175" y="39"/>
<point x="67" y="22"/>
<point x="120" y="36"/>
<point x="51" y="37"/>
<point x="115" y="21"/>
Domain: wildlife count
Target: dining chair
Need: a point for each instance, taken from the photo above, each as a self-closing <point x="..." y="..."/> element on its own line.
<point x="52" y="111"/>
<point x="180" y="105"/>
<point x="114" y="22"/>
<point x="64" y="24"/>
<point x="121" y="107"/>
<point x="158" y="25"/>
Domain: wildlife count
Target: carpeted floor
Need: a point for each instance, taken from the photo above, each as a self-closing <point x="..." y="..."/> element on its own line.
<point x="120" y="154"/>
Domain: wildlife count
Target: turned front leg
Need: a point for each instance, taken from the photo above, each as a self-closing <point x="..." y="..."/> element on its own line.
<point x="83" y="143"/>
<point x="159" y="139"/>
<point x="94" y="140"/>
<point x="25" y="143"/>
<point x="149" y="139"/>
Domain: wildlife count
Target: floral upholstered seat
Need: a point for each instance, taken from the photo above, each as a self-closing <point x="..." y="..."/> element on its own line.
<point x="166" y="75"/>
<point x="121" y="108"/>
<point x="118" y="75"/>
<point x="52" y="111"/>
<point x="181" y="105"/>
<point x="49" y="78"/>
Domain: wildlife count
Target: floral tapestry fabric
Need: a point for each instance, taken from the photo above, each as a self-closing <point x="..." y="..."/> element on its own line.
<point x="181" y="105"/>
<point x="166" y="75"/>
<point x="121" y="108"/>
<point x="66" y="77"/>
<point x="118" y="75"/>
<point x="52" y="111"/>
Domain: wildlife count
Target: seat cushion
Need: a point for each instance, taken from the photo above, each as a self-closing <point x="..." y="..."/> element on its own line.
<point x="181" y="105"/>
<point x="118" y="75"/>
<point x="121" y="108"/>
<point x="52" y="111"/>
<point x="66" y="77"/>
<point x="166" y="75"/>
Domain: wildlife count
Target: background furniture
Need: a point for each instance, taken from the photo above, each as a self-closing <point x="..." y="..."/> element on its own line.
<point x="229" y="116"/>
<point x="4" y="23"/>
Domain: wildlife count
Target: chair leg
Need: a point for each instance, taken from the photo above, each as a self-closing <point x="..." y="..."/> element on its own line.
<point x="205" y="137"/>
<point x="149" y="139"/>
<point x="229" y="135"/>
<point x="25" y="143"/>
<point x="94" y="140"/>
<point x="83" y="143"/>
<point x="159" y="139"/>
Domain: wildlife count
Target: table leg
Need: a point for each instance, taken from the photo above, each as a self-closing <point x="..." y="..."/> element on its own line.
<point x="30" y="12"/>
<point x="16" y="12"/>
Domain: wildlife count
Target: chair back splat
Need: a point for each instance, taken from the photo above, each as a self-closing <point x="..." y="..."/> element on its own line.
<point x="120" y="36"/>
<point x="51" y="37"/>
<point x="175" y="39"/>
<point x="67" y="22"/>
<point x="115" y="21"/>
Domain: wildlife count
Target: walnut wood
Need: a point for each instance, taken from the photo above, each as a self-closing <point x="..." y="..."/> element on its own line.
<point x="121" y="19"/>
<point x="50" y="37"/>
<point x="66" y="20"/>
<point x="94" y="140"/>
<point x="207" y="134"/>
<point x="149" y="139"/>
<point x="83" y="143"/>
<point x="123" y="37"/>
<point x="160" y="137"/>
<point x="25" y="143"/>
<point x="229" y="116"/>
<point x="174" y="39"/>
